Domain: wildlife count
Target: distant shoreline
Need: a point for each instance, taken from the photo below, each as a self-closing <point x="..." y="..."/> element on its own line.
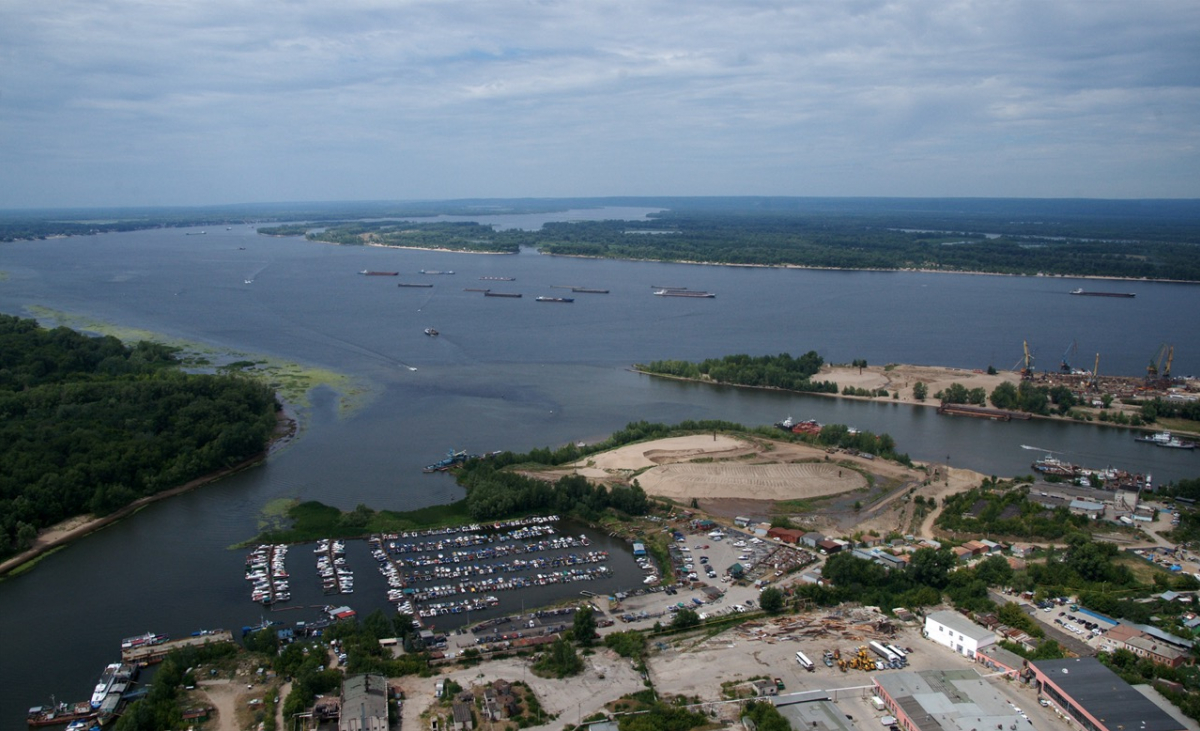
<point x="877" y="269"/>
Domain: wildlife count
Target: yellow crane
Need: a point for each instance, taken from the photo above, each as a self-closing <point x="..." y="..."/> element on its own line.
<point x="1027" y="371"/>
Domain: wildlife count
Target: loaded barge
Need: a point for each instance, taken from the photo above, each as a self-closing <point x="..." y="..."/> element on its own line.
<point x="369" y="273"/>
<point x="413" y="284"/>
<point x="694" y="293"/>
<point x="1083" y="293"/>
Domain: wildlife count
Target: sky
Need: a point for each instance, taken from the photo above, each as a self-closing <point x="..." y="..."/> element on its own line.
<point x="206" y="102"/>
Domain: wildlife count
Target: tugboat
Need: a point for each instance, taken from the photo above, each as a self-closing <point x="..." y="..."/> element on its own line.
<point x="431" y="332"/>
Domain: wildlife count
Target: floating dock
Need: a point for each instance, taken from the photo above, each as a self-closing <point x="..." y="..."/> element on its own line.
<point x="981" y="412"/>
<point x="150" y="655"/>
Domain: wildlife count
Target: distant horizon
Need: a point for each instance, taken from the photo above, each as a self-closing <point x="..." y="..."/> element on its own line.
<point x="654" y="200"/>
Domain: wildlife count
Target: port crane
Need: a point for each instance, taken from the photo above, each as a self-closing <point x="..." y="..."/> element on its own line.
<point x="1027" y="368"/>
<point x="1164" y="352"/>
<point x="1065" y="367"/>
<point x="1095" y="382"/>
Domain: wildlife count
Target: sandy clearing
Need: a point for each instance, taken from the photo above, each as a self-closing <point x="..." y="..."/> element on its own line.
<point x="648" y="454"/>
<point x="752" y="481"/>
<point x="901" y="378"/>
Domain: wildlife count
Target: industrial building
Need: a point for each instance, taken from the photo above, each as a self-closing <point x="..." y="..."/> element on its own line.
<point x="958" y="633"/>
<point x="1097" y="698"/>
<point x="942" y="700"/>
<point x="364" y="703"/>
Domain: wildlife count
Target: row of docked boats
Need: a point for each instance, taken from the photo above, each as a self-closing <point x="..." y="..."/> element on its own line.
<point x="110" y="693"/>
<point x="336" y="576"/>
<point x="462" y="571"/>
<point x="492" y="552"/>
<point x="484" y="586"/>
<point x="1166" y="440"/>
<point x="1109" y="478"/>
<point x="465" y="540"/>
<point x="266" y="571"/>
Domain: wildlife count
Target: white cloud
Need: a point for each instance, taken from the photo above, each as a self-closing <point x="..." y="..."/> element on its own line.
<point x="114" y="102"/>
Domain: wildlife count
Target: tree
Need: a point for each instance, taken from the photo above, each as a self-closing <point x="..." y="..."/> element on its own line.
<point x="584" y="628"/>
<point x="920" y="391"/>
<point x="860" y="364"/>
<point x="684" y="619"/>
<point x="1004" y="396"/>
<point x="559" y="661"/>
<point x="771" y="600"/>
<point x="931" y="567"/>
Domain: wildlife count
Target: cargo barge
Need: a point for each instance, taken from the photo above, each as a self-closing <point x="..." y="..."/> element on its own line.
<point x="60" y="713"/>
<point x="586" y="290"/>
<point x="1167" y="440"/>
<point x="435" y="271"/>
<point x="369" y="273"/>
<point x="1084" y="293"/>
<point x="982" y="412"/>
<point x="498" y="279"/>
<point x="414" y="284"/>
<point x="696" y="294"/>
<point x="490" y="293"/>
<point x="554" y="299"/>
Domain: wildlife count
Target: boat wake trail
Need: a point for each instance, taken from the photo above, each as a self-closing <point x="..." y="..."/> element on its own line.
<point x="1039" y="449"/>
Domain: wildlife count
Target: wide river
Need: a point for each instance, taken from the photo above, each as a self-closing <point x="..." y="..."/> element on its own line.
<point x="506" y="374"/>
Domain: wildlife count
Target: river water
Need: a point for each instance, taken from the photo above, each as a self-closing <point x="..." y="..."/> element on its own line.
<point x="507" y="374"/>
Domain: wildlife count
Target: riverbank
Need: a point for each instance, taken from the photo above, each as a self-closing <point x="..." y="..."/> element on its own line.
<point x="882" y="270"/>
<point x="74" y="528"/>
<point x="898" y="380"/>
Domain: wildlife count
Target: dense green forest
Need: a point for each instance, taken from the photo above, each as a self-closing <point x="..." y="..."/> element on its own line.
<point x="766" y="371"/>
<point x="1131" y="239"/>
<point x="87" y="425"/>
<point x="450" y="236"/>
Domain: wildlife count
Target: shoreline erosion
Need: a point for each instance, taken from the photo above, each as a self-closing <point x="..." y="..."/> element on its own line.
<point x="64" y="533"/>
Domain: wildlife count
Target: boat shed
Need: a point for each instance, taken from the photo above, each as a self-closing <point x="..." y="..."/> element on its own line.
<point x="639" y="549"/>
<point x="1097" y="698"/>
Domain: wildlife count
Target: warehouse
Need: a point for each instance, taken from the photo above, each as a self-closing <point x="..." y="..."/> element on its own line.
<point x="1097" y="698"/>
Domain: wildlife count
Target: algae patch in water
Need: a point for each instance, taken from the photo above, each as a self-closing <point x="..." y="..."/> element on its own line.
<point x="293" y="381"/>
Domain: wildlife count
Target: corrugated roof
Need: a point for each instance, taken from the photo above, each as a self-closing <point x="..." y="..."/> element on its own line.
<point x="1104" y="695"/>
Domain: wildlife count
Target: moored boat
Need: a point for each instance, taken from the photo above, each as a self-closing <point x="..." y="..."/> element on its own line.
<point x="143" y="640"/>
<point x="370" y="273"/>
<point x="555" y="299"/>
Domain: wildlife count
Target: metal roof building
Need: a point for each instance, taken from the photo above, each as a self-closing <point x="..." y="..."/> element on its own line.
<point x="1097" y="698"/>
<point x="944" y="700"/>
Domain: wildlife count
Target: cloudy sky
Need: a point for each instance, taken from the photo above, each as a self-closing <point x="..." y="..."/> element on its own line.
<point x="163" y="102"/>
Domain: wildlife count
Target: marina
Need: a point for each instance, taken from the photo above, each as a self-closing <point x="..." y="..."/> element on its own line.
<point x="268" y="575"/>
<point x="336" y="577"/>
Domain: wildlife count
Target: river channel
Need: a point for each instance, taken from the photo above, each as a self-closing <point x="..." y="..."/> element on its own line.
<point x="506" y="373"/>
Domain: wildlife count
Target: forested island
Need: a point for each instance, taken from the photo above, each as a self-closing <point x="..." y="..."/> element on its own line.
<point x="89" y="424"/>
<point x="1147" y="239"/>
